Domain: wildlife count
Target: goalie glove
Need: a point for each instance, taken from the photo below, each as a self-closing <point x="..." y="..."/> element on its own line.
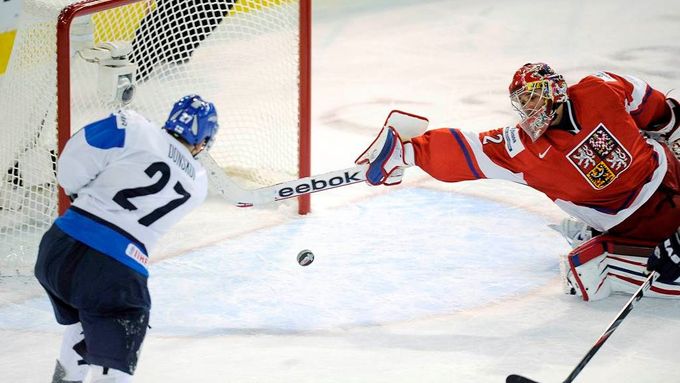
<point x="666" y="259"/>
<point x="391" y="151"/>
<point x="386" y="156"/>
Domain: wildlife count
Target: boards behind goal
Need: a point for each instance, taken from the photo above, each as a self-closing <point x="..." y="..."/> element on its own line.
<point x="74" y="62"/>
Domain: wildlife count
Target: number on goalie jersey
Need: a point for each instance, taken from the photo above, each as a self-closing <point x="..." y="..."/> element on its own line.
<point x="131" y="181"/>
<point x="582" y="146"/>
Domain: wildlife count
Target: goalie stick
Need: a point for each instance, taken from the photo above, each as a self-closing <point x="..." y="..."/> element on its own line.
<point x="408" y="125"/>
<point x="603" y="338"/>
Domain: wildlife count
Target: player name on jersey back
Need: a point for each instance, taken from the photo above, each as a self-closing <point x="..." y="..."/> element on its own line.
<point x="181" y="161"/>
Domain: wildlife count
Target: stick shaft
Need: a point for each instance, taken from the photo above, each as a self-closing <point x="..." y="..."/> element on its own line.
<point x="603" y="338"/>
<point x="233" y="192"/>
<point x="612" y="327"/>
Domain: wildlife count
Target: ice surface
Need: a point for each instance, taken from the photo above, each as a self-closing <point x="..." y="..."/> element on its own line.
<point x="423" y="282"/>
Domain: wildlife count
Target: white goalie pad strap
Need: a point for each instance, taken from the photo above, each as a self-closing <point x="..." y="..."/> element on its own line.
<point x="606" y="265"/>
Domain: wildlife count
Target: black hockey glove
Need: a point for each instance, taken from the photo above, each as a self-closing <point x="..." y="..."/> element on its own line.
<point x="666" y="259"/>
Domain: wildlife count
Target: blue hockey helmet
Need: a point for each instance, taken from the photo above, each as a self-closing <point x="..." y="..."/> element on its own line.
<point x="194" y="120"/>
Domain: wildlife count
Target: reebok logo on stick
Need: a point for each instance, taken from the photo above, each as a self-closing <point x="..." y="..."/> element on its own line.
<point x="312" y="185"/>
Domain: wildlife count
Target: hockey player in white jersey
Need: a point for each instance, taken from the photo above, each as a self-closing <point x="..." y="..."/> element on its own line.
<point x="130" y="181"/>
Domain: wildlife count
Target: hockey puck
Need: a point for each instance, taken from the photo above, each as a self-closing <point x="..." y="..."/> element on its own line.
<point x="305" y="257"/>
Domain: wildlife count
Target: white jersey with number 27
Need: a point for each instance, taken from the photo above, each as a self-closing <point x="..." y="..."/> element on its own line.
<point x="133" y="182"/>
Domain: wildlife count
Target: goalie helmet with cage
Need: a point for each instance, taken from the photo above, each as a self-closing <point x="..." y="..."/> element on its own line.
<point x="194" y="120"/>
<point x="535" y="93"/>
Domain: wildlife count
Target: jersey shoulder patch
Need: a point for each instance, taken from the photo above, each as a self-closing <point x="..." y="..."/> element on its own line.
<point x="105" y="134"/>
<point x="513" y="142"/>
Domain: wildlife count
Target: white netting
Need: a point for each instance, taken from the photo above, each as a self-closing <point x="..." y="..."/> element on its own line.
<point x="243" y="55"/>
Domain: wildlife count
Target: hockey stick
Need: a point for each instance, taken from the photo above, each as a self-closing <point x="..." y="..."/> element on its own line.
<point x="281" y="191"/>
<point x="603" y="338"/>
<point x="409" y="125"/>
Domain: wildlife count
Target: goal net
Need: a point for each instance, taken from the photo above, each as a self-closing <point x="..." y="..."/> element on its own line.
<point x="74" y="62"/>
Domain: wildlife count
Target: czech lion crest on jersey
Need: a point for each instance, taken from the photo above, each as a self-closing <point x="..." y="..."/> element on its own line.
<point x="600" y="158"/>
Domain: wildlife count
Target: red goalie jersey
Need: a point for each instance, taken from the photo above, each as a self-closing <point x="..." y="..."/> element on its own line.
<point x="595" y="164"/>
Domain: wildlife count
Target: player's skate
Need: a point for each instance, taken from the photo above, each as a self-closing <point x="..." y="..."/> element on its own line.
<point x="60" y="374"/>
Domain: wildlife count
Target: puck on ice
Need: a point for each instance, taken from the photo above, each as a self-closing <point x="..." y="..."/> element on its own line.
<point x="305" y="257"/>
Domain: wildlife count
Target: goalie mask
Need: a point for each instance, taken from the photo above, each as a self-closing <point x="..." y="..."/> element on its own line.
<point x="535" y="93"/>
<point x="194" y="120"/>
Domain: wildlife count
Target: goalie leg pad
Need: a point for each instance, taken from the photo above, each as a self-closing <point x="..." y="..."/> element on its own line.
<point x="587" y="280"/>
<point x="606" y="265"/>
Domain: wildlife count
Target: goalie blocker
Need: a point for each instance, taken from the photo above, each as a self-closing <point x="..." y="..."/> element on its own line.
<point x="607" y="264"/>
